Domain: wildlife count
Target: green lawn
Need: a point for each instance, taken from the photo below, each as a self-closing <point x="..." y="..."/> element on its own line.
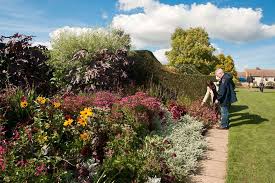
<point x="251" y="156"/>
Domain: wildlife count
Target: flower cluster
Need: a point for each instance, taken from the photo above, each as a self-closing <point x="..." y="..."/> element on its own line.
<point x="104" y="99"/>
<point x="176" y="110"/>
<point x="207" y="114"/>
<point x="139" y="99"/>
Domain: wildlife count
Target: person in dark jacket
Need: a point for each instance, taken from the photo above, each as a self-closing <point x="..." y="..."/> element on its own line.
<point x="226" y="96"/>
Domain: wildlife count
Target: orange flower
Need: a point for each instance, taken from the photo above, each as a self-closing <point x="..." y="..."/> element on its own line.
<point x="41" y="100"/>
<point x="23" y="104"/>
<point x="82" y="121"/>
<point x="84" y="136"/>
<point x="68" y="122"/>
<point x="56" y="104"/>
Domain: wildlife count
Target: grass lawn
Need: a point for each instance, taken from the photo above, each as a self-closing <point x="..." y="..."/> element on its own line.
<point x="252" y="138"/>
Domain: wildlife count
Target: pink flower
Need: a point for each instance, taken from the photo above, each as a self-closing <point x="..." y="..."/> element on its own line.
<point x="2" y="164"/>
<point x="40" y="169"/>
<point x="104" y="99"/>
<point x="16" y="135"/>
<point x="2" y="150"/>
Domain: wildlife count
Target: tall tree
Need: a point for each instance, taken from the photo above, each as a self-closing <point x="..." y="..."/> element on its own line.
<point x="191" y="47"/>
<point x="227" y="64"/>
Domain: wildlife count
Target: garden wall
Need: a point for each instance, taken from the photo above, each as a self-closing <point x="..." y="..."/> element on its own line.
<point x="148" y="69"/>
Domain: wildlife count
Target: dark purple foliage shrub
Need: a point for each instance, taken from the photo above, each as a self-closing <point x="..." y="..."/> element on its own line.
<point x="22" y="64"/>
<point x="105" y="71"/>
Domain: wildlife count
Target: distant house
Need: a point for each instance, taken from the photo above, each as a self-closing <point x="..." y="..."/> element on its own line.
<point x="268" y="74"/>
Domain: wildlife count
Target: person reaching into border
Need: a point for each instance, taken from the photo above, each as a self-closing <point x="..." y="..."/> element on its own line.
<point x="211" y="91"/>
<point x="226" y="96"/>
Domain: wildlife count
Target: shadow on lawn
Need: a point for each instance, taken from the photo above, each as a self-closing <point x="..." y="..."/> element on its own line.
<point x="242" y="118"/>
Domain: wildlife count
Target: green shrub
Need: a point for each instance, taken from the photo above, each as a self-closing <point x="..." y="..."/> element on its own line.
<point x="11" y="111"/>
<point x="163" y="81"/>
<point x="67" y="43"/>
<point x="270" y="84"/>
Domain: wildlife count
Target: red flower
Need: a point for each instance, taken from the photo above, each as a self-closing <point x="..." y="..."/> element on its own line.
<point x="23" y="99"/>
<point x="176" y="110"/>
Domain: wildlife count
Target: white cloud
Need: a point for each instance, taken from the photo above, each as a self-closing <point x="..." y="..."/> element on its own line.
<point x="75" y="30"/>
<point x="160" y="55"/>
<point x="154" y="25"/>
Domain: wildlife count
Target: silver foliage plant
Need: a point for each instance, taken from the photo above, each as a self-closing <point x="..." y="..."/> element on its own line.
<point x="187" y="146"/>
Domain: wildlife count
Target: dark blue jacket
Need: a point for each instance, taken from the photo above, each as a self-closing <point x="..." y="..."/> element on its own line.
<point x="226" y="93"/>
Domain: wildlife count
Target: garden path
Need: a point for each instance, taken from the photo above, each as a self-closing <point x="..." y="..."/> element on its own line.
<point x="213" y="166"/>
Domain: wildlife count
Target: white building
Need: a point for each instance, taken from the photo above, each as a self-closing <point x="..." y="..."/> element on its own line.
<point x="257" y="74"/>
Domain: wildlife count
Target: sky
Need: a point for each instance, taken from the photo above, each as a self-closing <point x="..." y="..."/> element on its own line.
<point x="244" y="29"/>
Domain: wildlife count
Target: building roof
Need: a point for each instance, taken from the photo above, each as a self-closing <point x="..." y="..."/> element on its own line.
<point x="241" y="75"/>
<point x="261" y="72"/>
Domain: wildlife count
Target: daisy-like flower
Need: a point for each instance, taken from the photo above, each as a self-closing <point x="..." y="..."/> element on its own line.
<point x="84" y="136"/>
<point x="56" y="104"/>
<point x="68" y="122"/>
<point x="23" y="104"/>
<point x="87" y="112"/>
<point x="41" y="100"/>
<point x="82" y="121"/>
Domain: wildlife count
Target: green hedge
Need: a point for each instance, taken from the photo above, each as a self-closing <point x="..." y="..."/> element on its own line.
<point x="147" y="69"/>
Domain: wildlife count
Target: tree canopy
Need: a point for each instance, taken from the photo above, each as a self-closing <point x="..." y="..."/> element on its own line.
<point x="192" y="46"/>
<point x="227" y="64"/>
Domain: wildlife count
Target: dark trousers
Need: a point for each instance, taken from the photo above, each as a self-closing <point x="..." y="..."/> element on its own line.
<point x="261" y="87"/>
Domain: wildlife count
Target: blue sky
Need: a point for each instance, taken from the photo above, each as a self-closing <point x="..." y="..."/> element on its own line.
<point x="244" y="29"/>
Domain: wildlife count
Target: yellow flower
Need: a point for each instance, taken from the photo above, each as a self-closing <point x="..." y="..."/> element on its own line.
<point x="84" y="136"/>
<point x="82" y="121"/>
<point x="68" y="122"/>
<point x="41" y="100"/>
<point x="47" y="125"/>
<point x="56" y="104"/>
<point x="42" y="139"/>
<point x="87" y="112"/>
<point x="23" y="104"/>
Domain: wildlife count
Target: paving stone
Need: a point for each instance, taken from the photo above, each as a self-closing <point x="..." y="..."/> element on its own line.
<point x="207" y="179"/>
<point x="213" y="166"/>
<point x="216" y="155"/>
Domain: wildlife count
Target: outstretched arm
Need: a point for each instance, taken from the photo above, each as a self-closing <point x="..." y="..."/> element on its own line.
<point x="206" y="96"/>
